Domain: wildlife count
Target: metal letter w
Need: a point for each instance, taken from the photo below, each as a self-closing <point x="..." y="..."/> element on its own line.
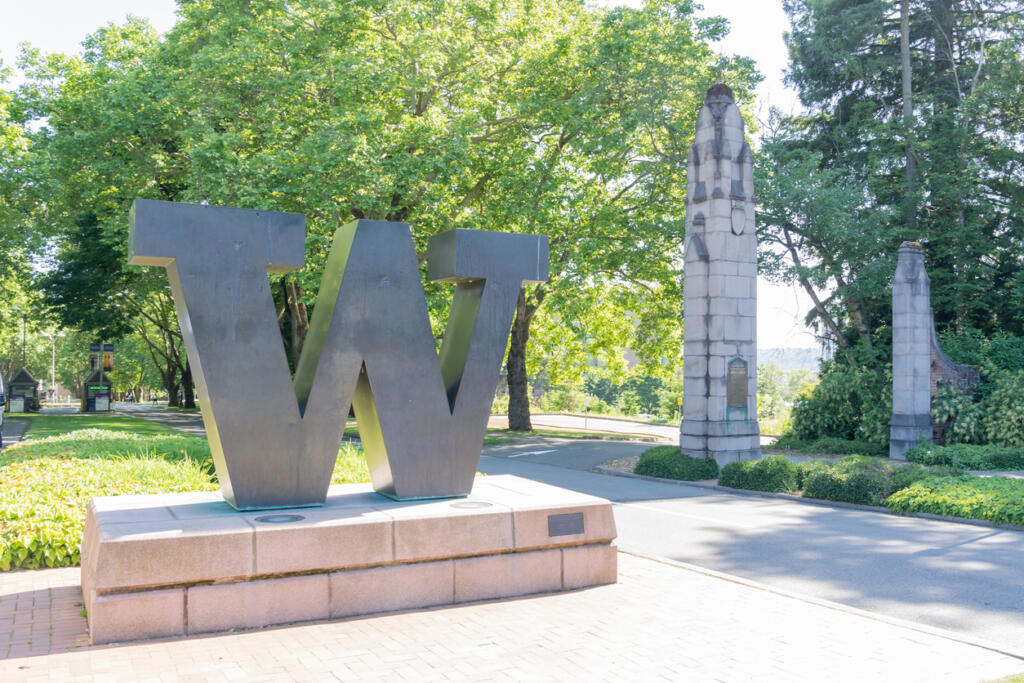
<point x="274" y="441"/>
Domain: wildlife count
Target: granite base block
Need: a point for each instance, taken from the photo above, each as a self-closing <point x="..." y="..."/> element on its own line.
<point x="177" y="564"/>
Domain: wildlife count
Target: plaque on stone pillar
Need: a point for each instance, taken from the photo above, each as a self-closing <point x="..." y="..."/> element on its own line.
<point x="736" y="390"/>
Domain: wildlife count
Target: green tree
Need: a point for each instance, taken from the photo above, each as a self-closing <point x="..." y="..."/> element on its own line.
<point x="106" y="135"/>
<point x="878" y="159"/>
<point x="546" y="117"/>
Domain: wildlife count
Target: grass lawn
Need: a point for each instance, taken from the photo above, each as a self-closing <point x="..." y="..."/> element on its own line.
<point x="46" y="480"/>
<point x="51" y="425"/>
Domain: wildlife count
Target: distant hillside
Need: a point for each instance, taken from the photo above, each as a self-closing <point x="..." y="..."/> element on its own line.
<point x="791" y="358"/>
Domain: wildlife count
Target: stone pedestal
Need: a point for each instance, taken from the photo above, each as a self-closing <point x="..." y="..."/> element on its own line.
<point x="720" y="290"/>
<point x="178" y="564"/>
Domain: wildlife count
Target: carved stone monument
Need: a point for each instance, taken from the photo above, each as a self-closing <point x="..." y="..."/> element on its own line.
<point x="918" y="362"/>
<point x="720" y="304"/>
<point x="185" y="563"/>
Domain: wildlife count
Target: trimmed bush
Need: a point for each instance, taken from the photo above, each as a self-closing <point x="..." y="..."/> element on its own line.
<point x="964" y="456"/>
<point x="668" y="462"/>
<point x="996" y="499"/>
<point x="862" y="486"/>
<point x="829" y="445"/>
<point x="805" y="469"/>
<point x="774" y="473"/>
<point x="905" y="475"/>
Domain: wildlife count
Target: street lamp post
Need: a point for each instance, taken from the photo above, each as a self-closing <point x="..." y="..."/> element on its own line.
<point x="18" y="309"/>
<point x="53" y="359"/>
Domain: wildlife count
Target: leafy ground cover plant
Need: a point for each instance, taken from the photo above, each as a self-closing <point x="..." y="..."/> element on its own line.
<point x="996" y="499"/>
<point x="46" y="484"/>
<point x="668" y="462"/>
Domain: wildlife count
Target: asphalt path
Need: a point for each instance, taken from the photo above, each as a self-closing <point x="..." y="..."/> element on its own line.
<point x="964" y="578"/>
<point x="959" y="577"/>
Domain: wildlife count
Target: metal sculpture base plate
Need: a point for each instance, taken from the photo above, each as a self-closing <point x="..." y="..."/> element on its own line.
<point x="177" y="564"/>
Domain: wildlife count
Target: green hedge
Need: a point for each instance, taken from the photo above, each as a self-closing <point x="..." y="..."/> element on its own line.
<point x="668" y="462"/>
<point x="865" y="481"/>
<point x="854" y="479"/>
<point x="829" y="445"/>
<point x="996" y="499"/>
<point x="969" y="456"/>
<point x="773" y="473"/>
<point x="865" y="487"/>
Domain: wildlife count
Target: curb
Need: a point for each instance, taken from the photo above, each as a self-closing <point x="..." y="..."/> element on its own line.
<point x="839" y="607"/>
<point x="812" y="501"/>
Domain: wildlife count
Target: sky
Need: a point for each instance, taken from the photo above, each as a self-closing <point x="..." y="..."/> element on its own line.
<point x="756" y="28"/>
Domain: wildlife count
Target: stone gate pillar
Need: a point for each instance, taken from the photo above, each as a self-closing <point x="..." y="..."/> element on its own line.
<point x="911" y="352"/>
<point x="720" y="289"/>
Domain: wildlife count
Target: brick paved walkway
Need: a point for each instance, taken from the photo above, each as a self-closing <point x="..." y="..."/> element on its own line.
<point x="661" y="622"/>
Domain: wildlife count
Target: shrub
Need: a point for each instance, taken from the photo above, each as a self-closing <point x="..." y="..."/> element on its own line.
<point x="1004" y="410"/>
<point x="863" y="486"/>
<point x="968" y="456"/>
<point x="805" y="469"/>
<point x="829" y="445"/>
<point x="863" y="480"/>
<point x="996" y="499"/>
<point x="773" y="473"/>
<point x="852" y="401"/>
<point x="963" y="417"/>
<point x="668" y="462"/>
<point x="905" y="475"/>
<point x="563" y="400"/>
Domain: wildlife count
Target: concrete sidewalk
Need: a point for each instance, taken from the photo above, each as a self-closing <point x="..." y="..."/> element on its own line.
<point x="661" y="621"/>
<point x="13" y="430"/>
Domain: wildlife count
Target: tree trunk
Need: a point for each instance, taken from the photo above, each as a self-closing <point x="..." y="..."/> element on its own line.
<point x="945" y="77"/>
<point x="299" y="318"/>
<point x="518" y="388"/>
<point x="171" y="384"/>
<point x="188" y="387"/>
<point x="910" y="205"/>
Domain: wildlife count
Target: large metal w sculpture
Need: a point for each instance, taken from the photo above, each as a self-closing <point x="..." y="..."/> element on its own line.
<point x="275" y="441"/>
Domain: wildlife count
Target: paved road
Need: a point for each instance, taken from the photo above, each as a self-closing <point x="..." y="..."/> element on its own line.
<point x="959" y="577"/>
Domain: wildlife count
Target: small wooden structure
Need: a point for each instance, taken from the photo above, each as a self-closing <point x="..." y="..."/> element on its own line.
<point x="96" y="393"/>
<point x="22" y="392"/>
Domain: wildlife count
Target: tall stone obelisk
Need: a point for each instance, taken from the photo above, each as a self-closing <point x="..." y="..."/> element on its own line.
<point x="720" y="289"/>
<point x="912" y="332"/>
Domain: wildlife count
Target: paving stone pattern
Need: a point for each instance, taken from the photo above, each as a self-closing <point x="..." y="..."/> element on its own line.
<point x="660" y="622"/>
